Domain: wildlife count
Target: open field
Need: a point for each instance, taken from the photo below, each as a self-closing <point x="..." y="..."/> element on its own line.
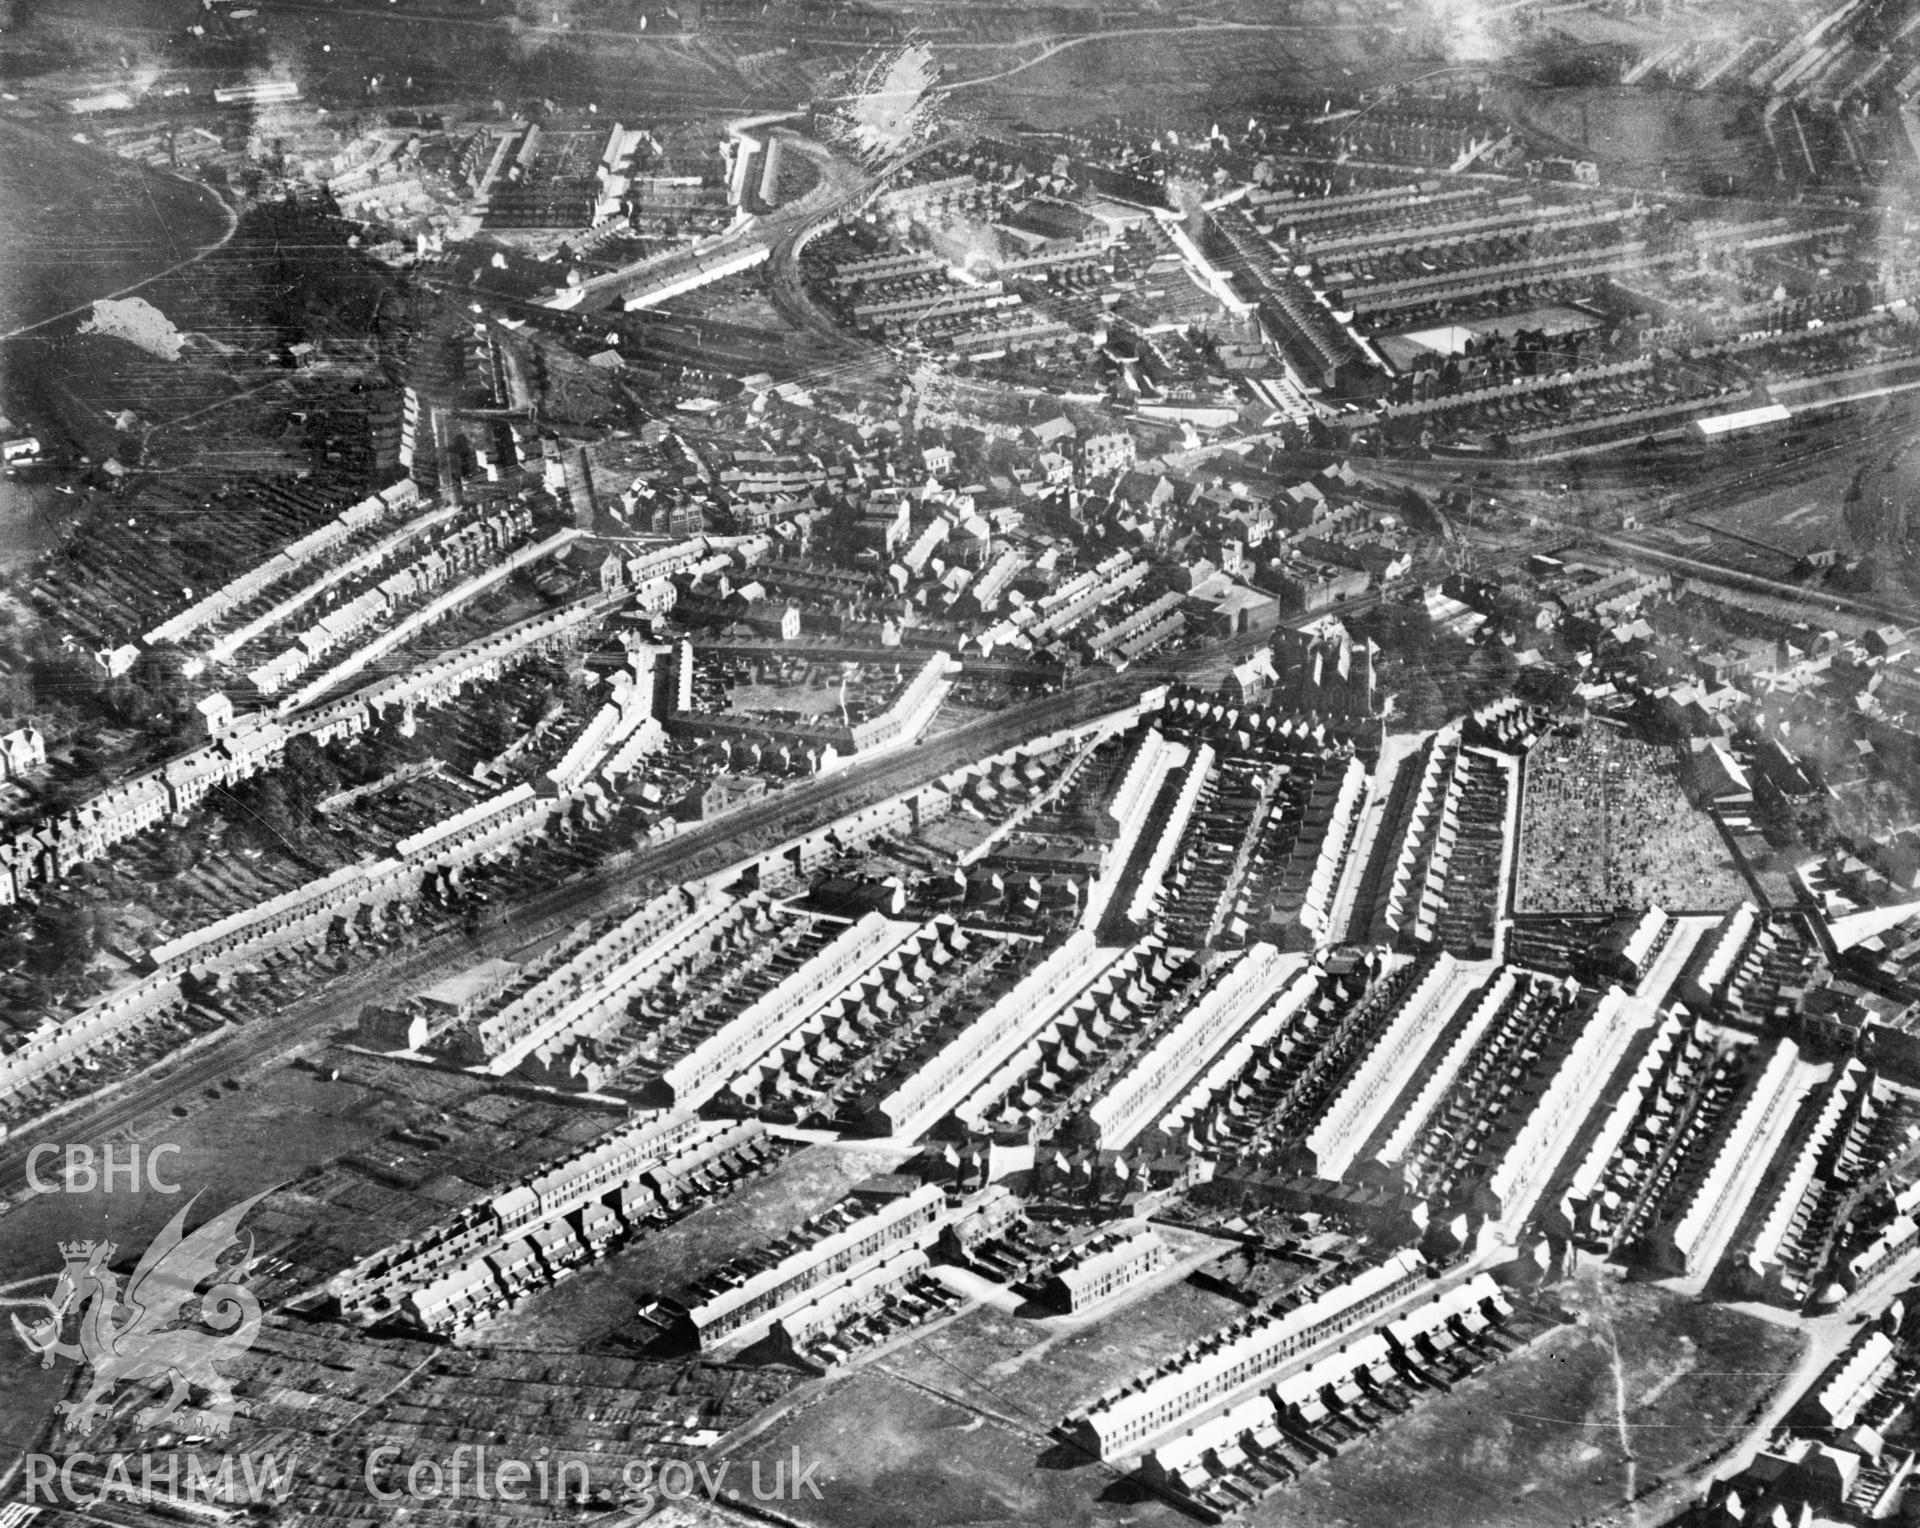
<point x="143" y="222"/>
<point x="1642" y="1385"/>
<point x="893" y="1454"/>
<point x="1643" y="133"/>
<point x="941" y="1436"/>
<point x="800" y="700"/>
<point x="1164" y="74"/>
<point x="1048" y="1372"/>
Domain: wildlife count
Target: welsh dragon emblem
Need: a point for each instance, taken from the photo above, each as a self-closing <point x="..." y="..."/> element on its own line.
<point x="146" y="1333"/>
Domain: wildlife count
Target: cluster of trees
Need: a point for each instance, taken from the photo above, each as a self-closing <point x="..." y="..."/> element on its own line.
<point x="1437" y="676"/>
<point x="309" y="283"/>
<point x="277" y="811"/>
<point x="48" y="948"/>
<point x="66" y="693"/>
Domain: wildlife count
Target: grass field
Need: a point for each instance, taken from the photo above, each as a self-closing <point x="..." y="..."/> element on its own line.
<point x="139" y="223"/>
<point x="1642" y="1384"/>
<point x="892" y="1453"/>
<point x="1641" y="131"/>
<point x="1638" y="1387"/>
<point x="1046" y="1375"/>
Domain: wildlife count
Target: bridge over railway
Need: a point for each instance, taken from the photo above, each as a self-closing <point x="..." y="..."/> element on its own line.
<point x="751" y="240"/>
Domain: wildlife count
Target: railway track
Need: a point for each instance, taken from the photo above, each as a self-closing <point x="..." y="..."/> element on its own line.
<point x="703" y="850"/>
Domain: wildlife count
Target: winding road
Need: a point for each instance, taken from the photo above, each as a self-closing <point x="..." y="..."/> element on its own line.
<point x="1194" y="29"/>
<point x="227" y="209"/>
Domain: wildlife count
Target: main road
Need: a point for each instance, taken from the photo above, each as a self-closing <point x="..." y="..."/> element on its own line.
<point x="703" y="850"/>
